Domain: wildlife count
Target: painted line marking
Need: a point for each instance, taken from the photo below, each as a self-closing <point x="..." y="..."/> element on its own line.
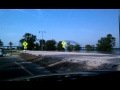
<point x="24" y="68"/>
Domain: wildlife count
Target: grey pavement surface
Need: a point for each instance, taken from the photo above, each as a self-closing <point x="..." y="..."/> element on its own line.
<point x="15" y="67"/>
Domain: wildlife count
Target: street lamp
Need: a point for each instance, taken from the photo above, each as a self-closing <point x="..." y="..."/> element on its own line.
<point x="42" y="39"/>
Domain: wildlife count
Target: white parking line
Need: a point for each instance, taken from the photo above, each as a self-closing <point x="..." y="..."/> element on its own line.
<point x="24" y="68"/>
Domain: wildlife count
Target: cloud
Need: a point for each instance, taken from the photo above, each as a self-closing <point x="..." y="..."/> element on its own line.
<point x="39" y="11"/>
<point x="33" y="12"/>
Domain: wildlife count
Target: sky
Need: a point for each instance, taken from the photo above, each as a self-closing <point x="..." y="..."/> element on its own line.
<point x="84" y="26"/>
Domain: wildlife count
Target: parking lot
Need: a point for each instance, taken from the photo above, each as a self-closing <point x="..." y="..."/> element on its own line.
<point x="15" y="67"/>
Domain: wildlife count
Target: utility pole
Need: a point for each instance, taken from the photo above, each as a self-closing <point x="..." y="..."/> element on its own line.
<point x="42" y="39"/>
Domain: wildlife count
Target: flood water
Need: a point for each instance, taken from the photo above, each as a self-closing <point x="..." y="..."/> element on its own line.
<point x="114" y="51"/>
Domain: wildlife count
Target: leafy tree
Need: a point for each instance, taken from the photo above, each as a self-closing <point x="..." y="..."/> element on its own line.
<point x="42" y="42"/>
<point x="106" y="43"/>
<point x="50" y="45"/>
<point x="70" y="47"/>
<point x="21" y="48"/>
<point x="36" y="46"/>
<point x="77" y="47"/>
<point x="59" y="46"/>
<point x="30" y="39"/>
<point x="88" y="47"/>
<point x="10" y="43"/>
<point x="1" y="43"/>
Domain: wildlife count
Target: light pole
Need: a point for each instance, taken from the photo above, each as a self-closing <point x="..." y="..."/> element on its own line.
<point x="42" y="39"/>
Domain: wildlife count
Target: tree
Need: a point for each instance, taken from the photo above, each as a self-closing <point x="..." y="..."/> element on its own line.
<point x="70" y="47"/>
<point x="88" y="47"/>
<point x="1" y="43"/>
<point x="36" y="46"/>
<point x="77" y="47"/>
<point x="30" y="39"/>
<point x="42" y="43"/>
<point x="10" y="43"/>
<point x="106" y="43"/>
<point x="50" y="45"/>
<point x="59" y="46"/>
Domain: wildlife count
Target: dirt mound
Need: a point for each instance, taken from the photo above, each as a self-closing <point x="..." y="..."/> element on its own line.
<point x="59" y="65"/>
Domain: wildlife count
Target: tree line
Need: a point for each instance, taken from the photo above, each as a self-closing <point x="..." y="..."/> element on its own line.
<point x="48" y="45"/>
<point x="8" y="47"/>
<point x="104" y="44"/>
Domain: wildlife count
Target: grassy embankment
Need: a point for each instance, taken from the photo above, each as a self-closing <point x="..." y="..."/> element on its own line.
<point x="13" y="52"/>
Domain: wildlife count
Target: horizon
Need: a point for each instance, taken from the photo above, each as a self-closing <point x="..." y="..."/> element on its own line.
<point x="84" y="26"/>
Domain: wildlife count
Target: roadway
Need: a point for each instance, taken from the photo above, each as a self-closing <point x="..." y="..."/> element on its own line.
<point x="15" y="67"/>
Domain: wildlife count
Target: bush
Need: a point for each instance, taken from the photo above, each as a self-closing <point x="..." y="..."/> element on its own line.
<point x="70" y="47"/>
<point x="77" y="47"/>
<point x="88" y="47"/>
<point x="106" y="43"/>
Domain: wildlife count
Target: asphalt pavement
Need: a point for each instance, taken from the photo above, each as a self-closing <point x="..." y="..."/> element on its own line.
<point x="15" y="67"/>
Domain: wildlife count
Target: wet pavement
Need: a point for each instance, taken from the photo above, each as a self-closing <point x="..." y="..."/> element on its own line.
<point x="15" y="67"/>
